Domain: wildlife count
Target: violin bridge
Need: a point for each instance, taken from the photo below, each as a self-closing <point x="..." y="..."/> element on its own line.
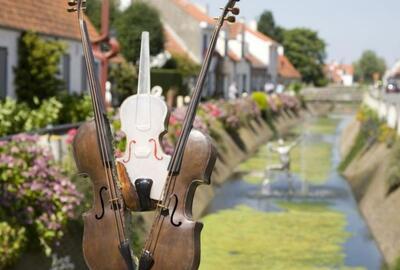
<point x="115" y="204"/>
<point x="164" y="210"/>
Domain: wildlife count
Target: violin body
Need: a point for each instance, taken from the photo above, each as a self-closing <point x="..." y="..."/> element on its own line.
<point x="100" y="229"/>
<point x="179" y="235"/>
<point x="144" y="121"/>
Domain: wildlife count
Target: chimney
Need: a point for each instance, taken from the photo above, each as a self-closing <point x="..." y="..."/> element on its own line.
<point x="253" y="25"/>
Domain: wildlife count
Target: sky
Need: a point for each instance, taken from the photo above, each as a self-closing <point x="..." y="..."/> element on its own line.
<point x="348" y="26"/>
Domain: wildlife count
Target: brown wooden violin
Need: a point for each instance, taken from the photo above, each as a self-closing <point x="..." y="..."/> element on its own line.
<point x="174" y="239"/>
<point x="105" y="245"/>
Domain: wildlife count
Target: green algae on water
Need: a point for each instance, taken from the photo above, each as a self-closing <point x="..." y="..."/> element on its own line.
<point x="311" y="161"/>
<point x="301" y="237"/>
<point x="321" y="125"/>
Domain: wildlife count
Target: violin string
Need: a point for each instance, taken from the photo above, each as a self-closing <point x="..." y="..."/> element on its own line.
<point x="101" y="131"/>
<point x="89" y="59"/>
<point x="157" y="224"/>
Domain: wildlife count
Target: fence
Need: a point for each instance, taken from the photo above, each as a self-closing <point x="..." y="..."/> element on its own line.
<point x="388" y="111"/>
<point x="53" y="138"/>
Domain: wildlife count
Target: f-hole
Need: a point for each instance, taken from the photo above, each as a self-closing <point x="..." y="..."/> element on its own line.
<point x="102" y="203"/>
<point x="173" y="212"/>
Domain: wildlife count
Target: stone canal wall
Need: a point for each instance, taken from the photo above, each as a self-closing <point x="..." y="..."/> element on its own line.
<point x="367" y="175"/>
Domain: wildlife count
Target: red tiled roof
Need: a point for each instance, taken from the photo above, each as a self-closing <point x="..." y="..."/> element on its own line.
<point x="335" y="71"/>
<point x="49" y="17"/>
<point x="286" y="69"/>
<point x="348" y="69"/>
<point x="194" y="11"/>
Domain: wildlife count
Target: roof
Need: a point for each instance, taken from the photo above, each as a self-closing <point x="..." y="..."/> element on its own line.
<point x="255" y="62"/>
<point x="236" y="28"/>
<point x="286" y="69"/>
<point x="233" y="56"/>
<point x="49" y="17"/>
<point x="174" y="44"/>
<point x="347" y="69"/>
<point x="336" y="71"/>
<point x="194" y="11"/>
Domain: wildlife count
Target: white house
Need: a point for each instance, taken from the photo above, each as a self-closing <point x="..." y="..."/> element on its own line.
<point x="50" y="20"/>
<point x="340" y="74"/>
<point x="244" y="56"/>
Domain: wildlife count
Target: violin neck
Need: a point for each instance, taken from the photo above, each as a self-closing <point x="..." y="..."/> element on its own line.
<point x="144" y="66"/>
<point x="103" y="128"/>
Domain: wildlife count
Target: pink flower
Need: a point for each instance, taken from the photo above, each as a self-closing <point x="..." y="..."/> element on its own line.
<point x="71" y="135"/>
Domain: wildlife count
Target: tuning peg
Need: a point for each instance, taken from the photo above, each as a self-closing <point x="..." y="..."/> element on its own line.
<point x="72" y="3"/>
<point x="72" y="9"/>
<point x="230" y="19"/>
<point x="235" y="11"/>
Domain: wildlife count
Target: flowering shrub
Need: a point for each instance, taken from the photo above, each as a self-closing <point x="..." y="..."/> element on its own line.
<point x="237" y="113"/>
<point x="35" y="193"/>
<point x="12" y="241"/>
<point x="175" y="128"/>
<point x="289" y="102"/>
<point x="275" y="102"/>
<point x="261" y="99"/>
<point x="211" y="115"/>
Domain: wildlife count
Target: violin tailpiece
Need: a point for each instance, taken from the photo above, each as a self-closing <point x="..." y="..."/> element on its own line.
<point x="126" y="254"/>
<point x="146" y="261"/>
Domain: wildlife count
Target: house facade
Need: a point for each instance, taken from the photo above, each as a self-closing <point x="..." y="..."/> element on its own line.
<point x="340" y="74"/>
<point x="244" y="58"/>
<point x="51" y="21"/>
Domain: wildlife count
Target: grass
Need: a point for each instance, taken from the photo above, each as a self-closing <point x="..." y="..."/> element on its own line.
<point x="303" y="236"/>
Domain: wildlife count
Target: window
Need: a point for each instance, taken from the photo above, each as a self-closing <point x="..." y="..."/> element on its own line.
<point x="3" y="72"/>
<point x="244" y="83"/>
<point x="205" y="44"/>
<point x="84" y="84"/>
<point x="65" y="70"/>
<point x="84" y="74"/>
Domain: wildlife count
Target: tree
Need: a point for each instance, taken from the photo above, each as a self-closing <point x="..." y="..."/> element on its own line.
<point x="368" y="65"/>
<point x="124" y="81"/>
<point x="132" y="22"/>
<point x="266" y="25"/>
<point x="36" y="75"/>
<point x="306" y="50"/>
<point x="93" y="11"/>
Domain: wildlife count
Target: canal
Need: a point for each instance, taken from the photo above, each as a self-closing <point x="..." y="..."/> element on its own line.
<point x="306" y="220"/>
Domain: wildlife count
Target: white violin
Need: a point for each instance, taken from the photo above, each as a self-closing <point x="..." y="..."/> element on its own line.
<point x="144" y="121"/>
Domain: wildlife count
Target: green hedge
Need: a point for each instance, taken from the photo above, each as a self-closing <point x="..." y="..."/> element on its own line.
<point x="167" y="79"/>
